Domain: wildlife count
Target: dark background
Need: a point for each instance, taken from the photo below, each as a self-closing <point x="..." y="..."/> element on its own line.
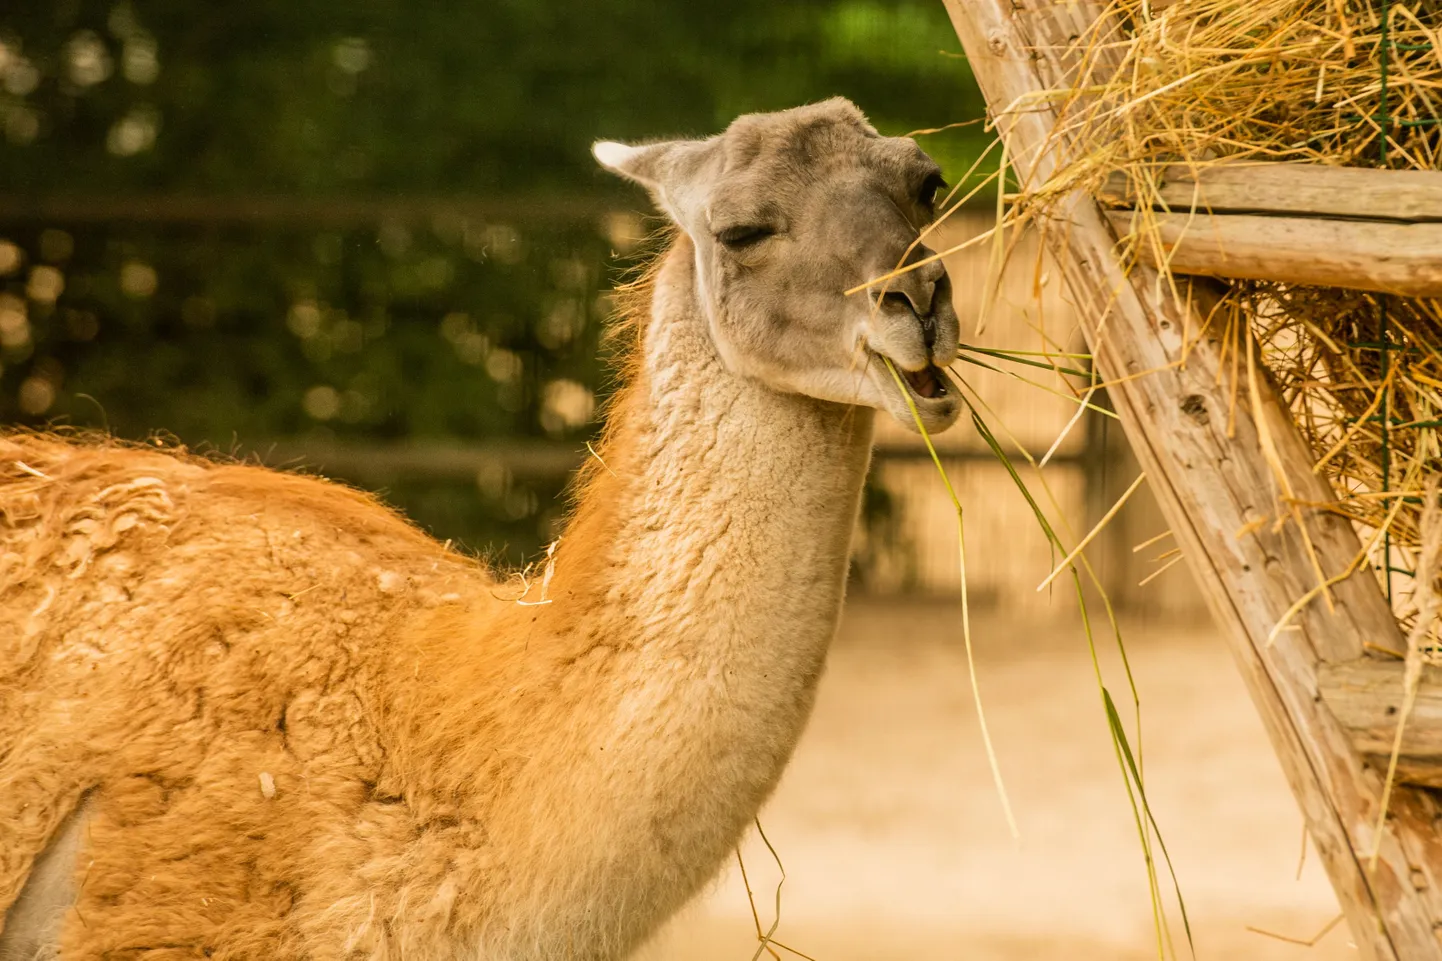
<point x="371" y="238"/>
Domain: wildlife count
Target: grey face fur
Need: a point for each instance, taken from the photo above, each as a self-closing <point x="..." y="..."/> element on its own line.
<point x="788" y="210"/>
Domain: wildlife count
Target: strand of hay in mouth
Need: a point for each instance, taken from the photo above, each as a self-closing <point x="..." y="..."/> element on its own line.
<point x="1335" y="82"/>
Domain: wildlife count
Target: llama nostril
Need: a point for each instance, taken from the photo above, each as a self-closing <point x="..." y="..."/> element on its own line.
<point x="895" y="300"/>
<point x="928" y="330"/>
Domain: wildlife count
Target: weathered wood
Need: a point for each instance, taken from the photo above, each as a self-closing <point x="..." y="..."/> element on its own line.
<point x="1214" y="485"/>
<point x="1394" y="258"/>
<point x="1366" y="698"/>
<point x="1299" y="189"/>
<point x="1296" y="223"/>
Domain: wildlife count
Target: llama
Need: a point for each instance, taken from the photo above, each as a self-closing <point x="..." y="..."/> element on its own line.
<point x="251" y="714"/>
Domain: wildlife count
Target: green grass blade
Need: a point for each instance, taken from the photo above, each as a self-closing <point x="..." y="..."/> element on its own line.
<point x="1042" y="387"/>
<point x="1120" y="736"/>
<point x="1131" y="771"/>
<point x="965" y="606"/>
<point x="1023" y="357"/>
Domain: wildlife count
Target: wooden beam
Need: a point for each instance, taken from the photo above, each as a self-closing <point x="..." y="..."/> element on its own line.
<point x="1296" y="223"/>
<point x="1366" y="698"/>
<point x="1220" y="495"/>
<point x="1389" y="257"/>
<point x="1297" y="189"/>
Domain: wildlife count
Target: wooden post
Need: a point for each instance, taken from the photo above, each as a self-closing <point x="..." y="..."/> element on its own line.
<point x="1219" y="494"/>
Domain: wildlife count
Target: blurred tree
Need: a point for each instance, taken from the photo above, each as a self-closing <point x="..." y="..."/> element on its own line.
<point x="393" y="96"/>
<point x="242" y="222"/>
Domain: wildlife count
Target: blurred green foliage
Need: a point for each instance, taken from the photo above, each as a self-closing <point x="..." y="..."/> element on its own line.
<point x="378" y="322"/>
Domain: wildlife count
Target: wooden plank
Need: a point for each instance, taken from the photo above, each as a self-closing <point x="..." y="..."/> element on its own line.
<point x="1394" y="258"/>
<point x="1366" y="697"/>
<point x="1213" y="484"/>
<point x="1300" y="189"/>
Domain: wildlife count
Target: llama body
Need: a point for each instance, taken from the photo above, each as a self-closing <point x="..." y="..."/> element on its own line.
<point x="294" y="726"/>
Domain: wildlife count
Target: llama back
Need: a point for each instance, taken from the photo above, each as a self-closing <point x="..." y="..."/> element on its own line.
<point x="176" y="632"/>
<point x="86" y="525"/>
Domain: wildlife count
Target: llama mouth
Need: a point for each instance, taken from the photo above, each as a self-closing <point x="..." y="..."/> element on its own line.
<point x="929" y="383"/>
<point x="928" y="395"/>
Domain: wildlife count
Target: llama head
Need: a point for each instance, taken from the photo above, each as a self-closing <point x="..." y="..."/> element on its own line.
<point x="786" y="212"/>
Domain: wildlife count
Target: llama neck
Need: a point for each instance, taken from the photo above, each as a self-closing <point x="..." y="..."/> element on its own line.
<point x="633" y="724"/>
<point x="722" y="519"/>
<point x="694" y="598"/>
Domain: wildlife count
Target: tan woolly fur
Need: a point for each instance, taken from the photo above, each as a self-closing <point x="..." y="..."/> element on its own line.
<point x="248" y="714"/>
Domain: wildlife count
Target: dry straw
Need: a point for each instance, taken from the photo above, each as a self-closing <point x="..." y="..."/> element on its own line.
<point x="1335" y="82"/>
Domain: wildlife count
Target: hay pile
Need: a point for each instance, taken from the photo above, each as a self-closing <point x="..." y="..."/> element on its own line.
<point x="1337" y="82"/>
<point x="1195" y="81"/>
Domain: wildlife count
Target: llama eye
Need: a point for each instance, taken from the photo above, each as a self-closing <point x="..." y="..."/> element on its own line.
<point x="930" y="187"/>
<point x="744" y="236"/>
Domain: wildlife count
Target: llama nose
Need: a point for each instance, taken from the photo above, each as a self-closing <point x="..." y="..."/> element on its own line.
<point x="917" y="287"/>
<point x="911" y="295"/>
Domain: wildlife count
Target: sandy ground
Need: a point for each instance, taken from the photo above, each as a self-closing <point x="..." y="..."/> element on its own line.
<point x="894" y="841"/>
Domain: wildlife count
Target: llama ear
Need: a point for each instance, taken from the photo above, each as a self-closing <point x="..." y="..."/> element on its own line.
<point x="674" y="172"/>
<point x="644" y="164"/>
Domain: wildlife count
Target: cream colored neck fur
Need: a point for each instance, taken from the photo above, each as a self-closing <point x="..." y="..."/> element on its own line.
<point x="729" y="506"/>
<point x="694" y="597"/>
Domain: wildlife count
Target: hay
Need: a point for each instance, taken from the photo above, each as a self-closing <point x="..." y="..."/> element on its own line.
<point x="1301" y="80"/>
<point x="1336" y="82"/>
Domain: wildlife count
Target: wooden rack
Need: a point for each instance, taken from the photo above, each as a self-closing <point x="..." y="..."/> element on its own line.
<point x="1323" y="700"/>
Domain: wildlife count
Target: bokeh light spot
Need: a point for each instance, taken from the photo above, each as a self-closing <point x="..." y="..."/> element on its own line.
<point x="11" y="257"/>
<point x="135" y="132"/>
<point x="14" y="322"/>
<point x="87" y="59"/>
<point x="140" y="61"/>
<point x="37" y="395"/>
<point x="45" y="285"/>
<point x="304" y="319"/>
<point x="138" y="279"/>
<point x="504" y="366"/>
<point x="352" y="55"/>
<point x="566" y="405"/>
<point x="321" y="402"/>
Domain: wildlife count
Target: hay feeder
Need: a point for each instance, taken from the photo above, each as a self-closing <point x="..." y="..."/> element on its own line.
<point x="1224" y="448"/>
